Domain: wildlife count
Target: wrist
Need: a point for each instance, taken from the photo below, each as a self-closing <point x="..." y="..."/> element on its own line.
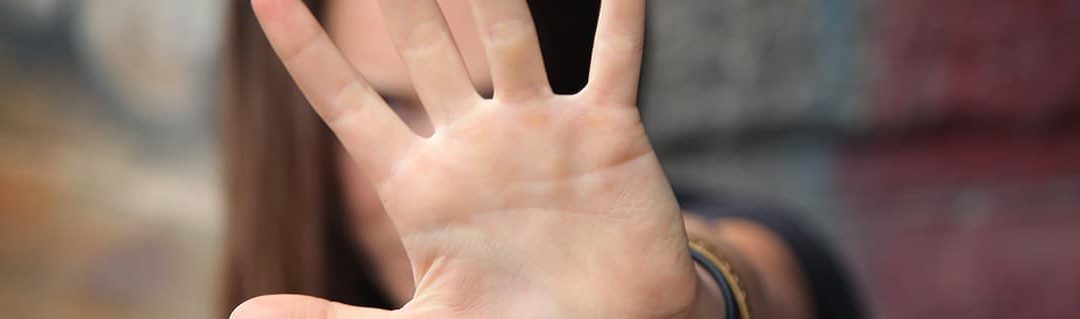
<point x="709" y="301"/>
<point x="715" y="269"/>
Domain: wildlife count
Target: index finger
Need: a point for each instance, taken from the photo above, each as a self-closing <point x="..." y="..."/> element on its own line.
<point x="345" y="101"/>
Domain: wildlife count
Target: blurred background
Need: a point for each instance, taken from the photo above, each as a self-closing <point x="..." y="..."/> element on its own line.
<point x="936" y="144"/>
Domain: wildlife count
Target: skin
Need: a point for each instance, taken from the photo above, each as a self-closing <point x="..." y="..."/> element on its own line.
<point x="524" y="205"/>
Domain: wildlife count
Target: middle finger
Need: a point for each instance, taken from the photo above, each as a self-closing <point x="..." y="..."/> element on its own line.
<point x="435" y="65"/>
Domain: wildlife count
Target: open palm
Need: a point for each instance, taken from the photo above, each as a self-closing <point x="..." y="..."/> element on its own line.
<point x="526" y="205"/>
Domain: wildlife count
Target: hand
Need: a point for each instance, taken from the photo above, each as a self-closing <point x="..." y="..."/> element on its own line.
<point x="526" y="205"/>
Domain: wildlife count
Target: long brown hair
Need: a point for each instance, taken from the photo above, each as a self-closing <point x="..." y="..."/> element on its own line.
<point x="283" y="235"/>
<point x="285" y="228"/>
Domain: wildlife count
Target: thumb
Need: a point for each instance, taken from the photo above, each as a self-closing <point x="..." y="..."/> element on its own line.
<point x="302" y="307"/>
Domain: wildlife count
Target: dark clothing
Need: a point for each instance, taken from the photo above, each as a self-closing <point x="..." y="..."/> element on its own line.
<point x="833" y="295"/>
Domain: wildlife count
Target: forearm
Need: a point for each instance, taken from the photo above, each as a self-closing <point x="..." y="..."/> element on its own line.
<point x="769" y="273"/>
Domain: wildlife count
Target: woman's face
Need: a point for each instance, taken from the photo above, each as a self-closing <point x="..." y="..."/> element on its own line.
<point x="357" y="27"/>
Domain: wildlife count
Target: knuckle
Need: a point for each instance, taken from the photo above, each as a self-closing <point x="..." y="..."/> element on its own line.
<point x="510" y="32"/>
<point x="341" y="108"/>
<point x="523" y="94"/>
<point x="622" y="44"/>
<point x="292" y="55"/>
<point x="425" y="37"/>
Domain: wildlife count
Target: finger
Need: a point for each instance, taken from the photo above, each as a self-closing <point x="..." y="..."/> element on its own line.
<point x="303" y="307"/>
<point x="435" y="65"/>
<point x="616" y="61"/>
<point x="513" y="49"/>
<point x="345" y="101"/>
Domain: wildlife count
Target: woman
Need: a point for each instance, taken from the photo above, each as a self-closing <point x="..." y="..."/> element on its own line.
<point x="440" y="202"/>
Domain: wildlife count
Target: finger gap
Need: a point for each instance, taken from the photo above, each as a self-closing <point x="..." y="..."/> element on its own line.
<point x="566" y="30"/>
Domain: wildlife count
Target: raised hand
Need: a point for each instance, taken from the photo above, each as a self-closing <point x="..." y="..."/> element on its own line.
<point x="526" y="205"/>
